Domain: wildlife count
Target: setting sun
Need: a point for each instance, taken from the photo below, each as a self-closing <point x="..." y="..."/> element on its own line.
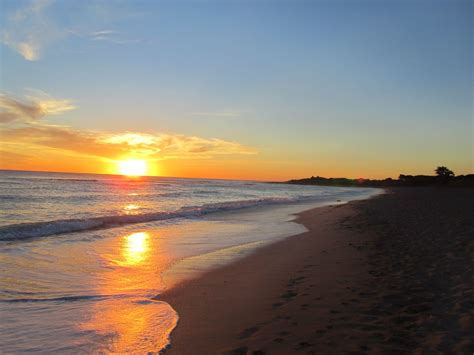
<point x="132" y="167"/>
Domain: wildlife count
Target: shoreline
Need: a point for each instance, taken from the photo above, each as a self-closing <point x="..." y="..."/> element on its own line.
<point x="26" y="231"/>
<point x="274" y="223"/>
<point x="233" y="284"/>
<point x="126" y="267"/>
<point x="350" y="283"/>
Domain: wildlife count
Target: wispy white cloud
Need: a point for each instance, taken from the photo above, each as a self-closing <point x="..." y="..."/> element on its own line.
<point x="110" y="36"/>
<point x="103" y="33"/>
<point x="32" y="28"/>
<point x="28" y="30"/>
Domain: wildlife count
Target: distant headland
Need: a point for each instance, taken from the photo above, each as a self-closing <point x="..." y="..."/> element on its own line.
<point x="444" y="176"/>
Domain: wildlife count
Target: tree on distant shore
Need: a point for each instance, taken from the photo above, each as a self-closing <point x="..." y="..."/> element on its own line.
<point x="444" y="172"/>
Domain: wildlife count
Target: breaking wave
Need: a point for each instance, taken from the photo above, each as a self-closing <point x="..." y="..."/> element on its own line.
<point x="43" y="229"/>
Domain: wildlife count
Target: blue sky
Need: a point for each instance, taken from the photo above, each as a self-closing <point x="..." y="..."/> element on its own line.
<point x="356" y="88"/>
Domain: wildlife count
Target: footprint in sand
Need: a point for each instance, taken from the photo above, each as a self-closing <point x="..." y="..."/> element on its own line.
<point x="289" y="295"/>
<point x="248" y="332"/>
<point x="238" y="351"/>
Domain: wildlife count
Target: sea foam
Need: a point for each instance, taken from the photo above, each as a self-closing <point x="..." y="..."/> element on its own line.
<point x="42" y="229"/>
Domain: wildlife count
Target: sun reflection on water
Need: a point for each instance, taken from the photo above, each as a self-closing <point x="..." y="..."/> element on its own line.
<point x="131" y="209"/>
<point x="136" y="248"/>
<point x="128" y="320"/>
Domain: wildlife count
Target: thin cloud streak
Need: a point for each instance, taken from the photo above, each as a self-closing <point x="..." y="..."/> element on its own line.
<point x="110" y="36"/>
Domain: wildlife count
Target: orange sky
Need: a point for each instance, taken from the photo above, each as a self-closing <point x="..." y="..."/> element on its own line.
<point x="30" y="141"/>
<point x="248" y="167"/>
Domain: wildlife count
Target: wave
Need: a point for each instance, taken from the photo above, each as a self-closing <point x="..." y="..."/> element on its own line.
<point x="43" y="229"/>
<point x="105" y="179"/>
<point x="73" y="298"/>
<point x="205" y="192"/>
<point x="48" y="179"/>
<point x="70" y="179"/>
<point x="55" y="299"/>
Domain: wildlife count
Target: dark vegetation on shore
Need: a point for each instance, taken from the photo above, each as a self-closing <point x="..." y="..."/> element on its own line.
<point x="443" y="176"/>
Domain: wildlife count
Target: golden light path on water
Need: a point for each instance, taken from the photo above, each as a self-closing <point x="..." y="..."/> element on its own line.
<point x="137" y="266"/>
<point x="130" y="320"/>
<point x="136" y="248"/>
<point x="131" y="208"/>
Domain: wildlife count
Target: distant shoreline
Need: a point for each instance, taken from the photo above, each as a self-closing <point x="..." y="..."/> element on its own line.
<point x="402" y="181"/>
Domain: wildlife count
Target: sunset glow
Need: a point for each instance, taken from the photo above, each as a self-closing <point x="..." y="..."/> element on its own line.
<point x="132" y="167"/>
<point x="333" y="107"/>
<point x="154" y="156"/>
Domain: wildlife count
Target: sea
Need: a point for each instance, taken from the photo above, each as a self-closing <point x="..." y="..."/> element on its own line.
<point x="84" y="258"/>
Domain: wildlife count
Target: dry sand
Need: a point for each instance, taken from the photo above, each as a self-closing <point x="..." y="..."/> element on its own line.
<point x="392" y="274"/>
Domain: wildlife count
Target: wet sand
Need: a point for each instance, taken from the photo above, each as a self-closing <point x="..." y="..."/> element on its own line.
<point x="392" y="274"/>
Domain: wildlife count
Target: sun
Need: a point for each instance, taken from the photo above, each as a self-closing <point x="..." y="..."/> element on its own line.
<point x="132" y="167"/>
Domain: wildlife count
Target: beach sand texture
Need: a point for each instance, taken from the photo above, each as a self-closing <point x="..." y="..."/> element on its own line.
<point x="391" y="274"/>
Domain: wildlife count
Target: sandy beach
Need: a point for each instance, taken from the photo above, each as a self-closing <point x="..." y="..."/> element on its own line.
<point x="391" y="274"/>
<point x="236" y="177"/>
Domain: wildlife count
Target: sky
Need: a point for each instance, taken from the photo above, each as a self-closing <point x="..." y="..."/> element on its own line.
<point x="265" y="90"/>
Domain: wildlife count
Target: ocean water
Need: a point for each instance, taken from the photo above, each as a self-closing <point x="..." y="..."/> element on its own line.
<point x="84" y="258"/>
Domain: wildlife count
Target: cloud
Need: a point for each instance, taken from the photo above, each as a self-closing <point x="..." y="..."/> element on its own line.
<point x="30" y="29"/>
<point x="132" y="139"/>
<point x="27" y="30"/>
<point x="110" y="36"/>
<point x="22" y="125"/>
<point x="172" y="144"/>
<point x="103" y="33"/>
<point x="32" y="108"/>
<point x="114" y="145"/>
<point x="62" y="138"/>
